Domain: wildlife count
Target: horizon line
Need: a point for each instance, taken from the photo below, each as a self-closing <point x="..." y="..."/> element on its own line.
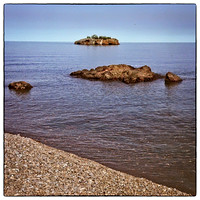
<point x="120" y="42"/>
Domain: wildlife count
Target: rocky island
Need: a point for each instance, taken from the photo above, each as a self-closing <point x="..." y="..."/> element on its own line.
<point x="95" y="40"/>
<point x="121" y="72"/>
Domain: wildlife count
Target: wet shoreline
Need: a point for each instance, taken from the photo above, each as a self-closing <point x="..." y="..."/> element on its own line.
<point x="34" y="169"/>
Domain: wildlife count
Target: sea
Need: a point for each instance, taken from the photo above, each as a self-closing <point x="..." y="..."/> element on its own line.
<point x="146" y="129"/>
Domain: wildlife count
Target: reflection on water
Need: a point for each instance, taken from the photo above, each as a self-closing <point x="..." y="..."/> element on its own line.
<point x="20" y="92"/>
<point x="172" y="85"/>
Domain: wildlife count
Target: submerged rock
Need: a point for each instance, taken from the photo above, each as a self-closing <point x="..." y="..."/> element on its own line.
<point x="20" y="85"/>
<point x="170" y="77"/>
<point x="121" y="72"/>
<point x="91" y="41"/>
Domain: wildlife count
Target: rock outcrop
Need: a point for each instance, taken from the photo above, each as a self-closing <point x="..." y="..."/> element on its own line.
<point x="91" y="41"/>
<point x="20" y="86"/>
<point x="121" y="72"/>
<point x="171" y="78"/>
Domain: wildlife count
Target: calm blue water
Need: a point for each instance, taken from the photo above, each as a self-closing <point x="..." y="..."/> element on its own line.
<point x="145" y="129"/>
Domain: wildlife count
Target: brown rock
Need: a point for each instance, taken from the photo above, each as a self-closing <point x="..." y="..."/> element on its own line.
<point x="91" y="41"/>
<point x="170" y="77"/>
<point x="121" y="72"/>
<point x="20" y="85"/>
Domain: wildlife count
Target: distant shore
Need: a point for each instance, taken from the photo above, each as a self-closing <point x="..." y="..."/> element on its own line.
<point x="34" y="169"/>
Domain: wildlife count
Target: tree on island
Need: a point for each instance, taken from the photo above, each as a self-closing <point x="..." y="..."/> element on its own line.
<point x="104" y="37"/>
<point x="94" y="36"/>
<point x="100" y="37"/>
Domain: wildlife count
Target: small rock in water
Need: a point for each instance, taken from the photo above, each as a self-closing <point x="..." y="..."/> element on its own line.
<point x="20" y="85"/>
<point x="170" y="77"/>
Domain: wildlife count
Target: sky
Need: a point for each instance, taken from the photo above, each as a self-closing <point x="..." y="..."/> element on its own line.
<point x="127" y="23"/>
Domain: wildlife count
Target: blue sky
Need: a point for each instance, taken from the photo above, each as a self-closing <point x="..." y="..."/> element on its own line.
<point x="128" y="23"/>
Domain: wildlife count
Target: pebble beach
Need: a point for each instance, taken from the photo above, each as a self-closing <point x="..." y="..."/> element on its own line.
<point x="34" y="169"/>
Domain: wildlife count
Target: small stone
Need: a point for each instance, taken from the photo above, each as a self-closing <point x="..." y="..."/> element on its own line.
<point x="170" y="77"/>
<point x="20" y="85"/>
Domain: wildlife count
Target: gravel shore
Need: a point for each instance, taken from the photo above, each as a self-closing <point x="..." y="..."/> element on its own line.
<point x="34" y="169"/>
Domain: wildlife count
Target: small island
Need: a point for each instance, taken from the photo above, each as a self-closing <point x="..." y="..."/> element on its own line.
<point x="97" y="40"/>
